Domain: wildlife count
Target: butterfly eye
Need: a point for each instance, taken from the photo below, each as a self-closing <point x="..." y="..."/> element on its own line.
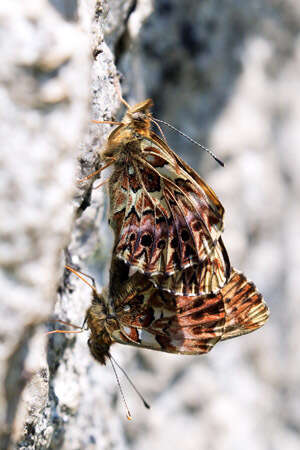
<point x="138" y="116"/>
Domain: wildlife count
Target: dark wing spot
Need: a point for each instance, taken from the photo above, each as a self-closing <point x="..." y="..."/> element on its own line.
<point x="197" y="315"/>
<point x="150" y="180"/>
<point x="176" y="259"/>
<point x="214" y="220"/>
<point x="148" y="212"/>
<point x="146" y="240"/>
<point x="146" y="319"/>
<point x="174" y="242"/>
<point x="185" y="235"/>
<point x="189" y="251"/>
<point x="161" y="244"/>
<point x="132" y="211"/>
<point x="197" y="226"/>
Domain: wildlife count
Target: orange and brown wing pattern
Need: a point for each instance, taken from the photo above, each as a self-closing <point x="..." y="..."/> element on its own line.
<point x="152" y="318"/>
<point x="134" y="312"/>
<point x="164" y="216"/>
<point x="175" y="324"/>
<point x="204" y="278"/>
<point x="245" y="307"/>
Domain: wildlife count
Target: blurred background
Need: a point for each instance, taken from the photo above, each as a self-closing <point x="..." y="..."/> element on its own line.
<point x="228" y="75"/>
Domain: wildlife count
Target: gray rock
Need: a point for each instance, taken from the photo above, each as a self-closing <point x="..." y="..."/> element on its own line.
<point x="48" y="76"/>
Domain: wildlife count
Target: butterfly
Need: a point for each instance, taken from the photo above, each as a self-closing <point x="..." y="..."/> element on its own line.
<point x="172" y="287"/>
<point x="133" y="311"/>
<point x="165" y="217"/>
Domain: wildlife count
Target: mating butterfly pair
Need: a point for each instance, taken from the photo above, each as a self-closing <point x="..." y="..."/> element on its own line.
<point x="171" y="284"/>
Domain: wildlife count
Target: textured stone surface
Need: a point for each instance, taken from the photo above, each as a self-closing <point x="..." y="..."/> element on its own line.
<point x="41" y="92"/>
<point x="226" y="73"/>
<point x="54" y="61"/>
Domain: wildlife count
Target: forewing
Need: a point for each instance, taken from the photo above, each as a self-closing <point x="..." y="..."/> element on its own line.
<point x="164" y="216"/>
<point x="245" y="307"/>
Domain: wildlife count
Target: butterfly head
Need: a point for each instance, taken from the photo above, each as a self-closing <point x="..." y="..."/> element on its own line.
<point x="125" y="138"/>
<point x="98" y="321"/>
<point x="139" y="116"/>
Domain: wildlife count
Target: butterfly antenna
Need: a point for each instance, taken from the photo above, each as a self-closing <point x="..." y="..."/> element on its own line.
<point x="109" y="122"/>
<point x="101" y="184"/>
<point x="79" y="275"/>
<point x="193" y="141"/>
<point x="66" y="323"/>
<point x="130" y="382"/>
<point x="65" y="331"/>
<point x="79" y="329"/>
<point x="128" y="415"/>
<point x="160" y="130"/>
<point x="118" y="90"/>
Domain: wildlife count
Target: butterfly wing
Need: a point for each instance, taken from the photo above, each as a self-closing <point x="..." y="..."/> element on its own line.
<point x="164" y="216"/>
<point x="152" y="318"/>
<point x="245" y="307"/>
<point x="160" y="321"/>
<point x="205" y="278"/>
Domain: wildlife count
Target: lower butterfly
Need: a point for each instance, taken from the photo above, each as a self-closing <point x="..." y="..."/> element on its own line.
<point x="134" y="312"/>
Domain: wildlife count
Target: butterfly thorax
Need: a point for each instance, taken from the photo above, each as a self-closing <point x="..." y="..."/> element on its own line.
<point x="101" y="322"/>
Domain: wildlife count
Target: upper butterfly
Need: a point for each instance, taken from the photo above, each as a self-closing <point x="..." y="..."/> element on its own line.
<point x="164" y="216"/>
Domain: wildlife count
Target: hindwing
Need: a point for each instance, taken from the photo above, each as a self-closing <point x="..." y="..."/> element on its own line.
<point x="152" y="318"/>
<point x="204" y="278"/>
<point x="245" y="307"/>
